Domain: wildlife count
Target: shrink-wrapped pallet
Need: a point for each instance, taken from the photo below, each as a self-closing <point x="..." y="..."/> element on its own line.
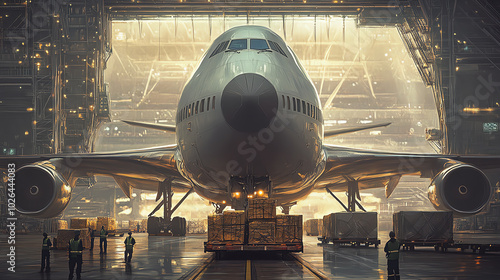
<point x="351" y="225"/>
<point x="423" y="226"/>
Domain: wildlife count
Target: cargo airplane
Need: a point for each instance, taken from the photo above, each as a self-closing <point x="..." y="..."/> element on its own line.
<point x="249" y="123"/>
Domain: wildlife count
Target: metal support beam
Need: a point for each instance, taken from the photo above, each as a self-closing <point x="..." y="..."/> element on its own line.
<point x="338" y="200"/>
<point x="181" y="201"/>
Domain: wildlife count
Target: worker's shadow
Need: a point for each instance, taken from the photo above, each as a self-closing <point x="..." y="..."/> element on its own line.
<point x="128" y="269"/>
<point x="45" y="276"/>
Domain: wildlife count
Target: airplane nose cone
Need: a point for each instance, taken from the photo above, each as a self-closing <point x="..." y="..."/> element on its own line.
<point x="249" y="102"/>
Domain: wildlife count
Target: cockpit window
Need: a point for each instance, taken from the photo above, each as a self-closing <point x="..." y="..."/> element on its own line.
<point x="238" y="44"/>
<point x="258" y="44"/>
<point x="275" y="47"/>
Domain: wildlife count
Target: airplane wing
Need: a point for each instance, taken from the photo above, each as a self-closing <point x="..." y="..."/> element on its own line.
<point x="374" y="169"/>
<point x="53" y="176"/>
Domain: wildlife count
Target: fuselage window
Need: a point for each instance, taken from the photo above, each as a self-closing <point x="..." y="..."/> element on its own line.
<point x="238" y="44"/>
<point x="196" y="108"/>
<point x="288" y="102"/>
<point x="298" y="105"/>
<point x="213" y="102"/>
<point x="208" y="104"/>
<point x="308" y="109"/>
<point x="283" y="97"/>
<point x="294" y="104"/>
<point x="202" y="105"/>
<point x="189" y="111"/>
<point x="258" y="44"/>
<point x="304" y="107"/>
<point x="192" y="110"/>
<point x="313" y="110"/>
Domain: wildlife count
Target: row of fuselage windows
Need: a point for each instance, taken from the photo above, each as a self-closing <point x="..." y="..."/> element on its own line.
<point x="200" y="106"/>
<point x="242" y="44"/>
<point x="297" y="105"/>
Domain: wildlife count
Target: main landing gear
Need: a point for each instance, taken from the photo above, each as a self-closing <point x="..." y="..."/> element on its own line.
<point x="353" y="197"/>
<point x="167" y="225"/>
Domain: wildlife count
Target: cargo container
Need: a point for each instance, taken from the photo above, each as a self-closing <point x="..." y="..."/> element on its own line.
<point x="424" y="228"/>
<point x="350" y="228"/>
<point x="313" y="227"/>
<point x="257" y="229"/>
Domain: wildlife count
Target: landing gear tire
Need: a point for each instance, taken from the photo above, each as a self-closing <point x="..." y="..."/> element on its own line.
<point x="178" y="226"/>
<point x="154" y="225"/>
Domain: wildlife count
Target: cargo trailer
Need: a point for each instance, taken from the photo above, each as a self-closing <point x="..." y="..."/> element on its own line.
<point x="350" y="228"/>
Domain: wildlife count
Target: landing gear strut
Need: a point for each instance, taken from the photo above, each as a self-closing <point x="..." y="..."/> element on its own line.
<point x="353" y="197"/>
<point x="285" y="208"/>
<point x="177" y="225"/>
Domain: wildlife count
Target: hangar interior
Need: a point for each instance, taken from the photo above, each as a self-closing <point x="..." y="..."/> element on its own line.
<point x="70" y="71"/>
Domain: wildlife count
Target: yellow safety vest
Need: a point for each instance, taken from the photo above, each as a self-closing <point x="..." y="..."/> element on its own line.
<point x="128" y="244"/>
<point x="103" y="233"/>
<point x="73" y="246"/>
<point x="45" y="245"/>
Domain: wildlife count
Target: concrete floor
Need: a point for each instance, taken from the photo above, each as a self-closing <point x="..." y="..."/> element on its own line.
<point x="171" y="257"/>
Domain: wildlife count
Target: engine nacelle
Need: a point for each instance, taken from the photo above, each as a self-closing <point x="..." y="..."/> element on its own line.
<point x="461" y="188"/>
<point x="41" y="191"/>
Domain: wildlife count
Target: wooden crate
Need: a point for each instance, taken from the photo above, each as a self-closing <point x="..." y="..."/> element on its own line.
<point x="261" y="208"/>
<point x="288" y="228"/>
<point x="65" y="235"/>
<point x="262" y="232"/>
<point x="227" y="228"/>
<point x="108" y="223"/>
<point x="76" y="223"/>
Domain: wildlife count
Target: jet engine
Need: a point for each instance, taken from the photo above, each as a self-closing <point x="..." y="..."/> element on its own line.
<point x="461" y="188"/>
<point x="41" y="191"/>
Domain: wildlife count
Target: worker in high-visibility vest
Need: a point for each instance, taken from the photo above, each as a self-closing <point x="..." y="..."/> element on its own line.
<point x="391" y="250"/>
<point x="46" y="244"/>
<point x="129" y="247"/>
<point x="103" y="238"/>
<point x="75" y="249"/>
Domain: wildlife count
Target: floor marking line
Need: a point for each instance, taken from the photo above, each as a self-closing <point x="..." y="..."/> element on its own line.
<point x="248" y="272"/>
<point x="316" y="272"/>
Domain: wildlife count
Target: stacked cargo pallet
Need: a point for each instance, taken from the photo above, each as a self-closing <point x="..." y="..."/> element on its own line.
<point x="76" y="223"/>
<point x="197" y="226"/>
<point x="313" y="227"/>
<point x="228" y="227"/>
<point x="65" y="235"/>
<point x="108" y="223"/>
<point x="144" y="225"/>
<point x="261" y="221"/>
<point x="288" y="228"/>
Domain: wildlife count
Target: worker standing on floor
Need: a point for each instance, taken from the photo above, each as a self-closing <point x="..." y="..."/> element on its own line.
<point x="92" y="236"/>
<point x="103" y="240"/>
<point x="75" y="249"/>
<point x="46" y="244"/>
<point x="391" y="250"/>
<point x="129" y="247"/>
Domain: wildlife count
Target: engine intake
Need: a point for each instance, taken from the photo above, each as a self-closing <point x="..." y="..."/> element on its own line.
<point x="41" y="191"/>
<point x="461" y="188"/>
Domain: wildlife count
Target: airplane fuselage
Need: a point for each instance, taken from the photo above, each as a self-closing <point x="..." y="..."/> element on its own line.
<point x="250" y="112"/>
